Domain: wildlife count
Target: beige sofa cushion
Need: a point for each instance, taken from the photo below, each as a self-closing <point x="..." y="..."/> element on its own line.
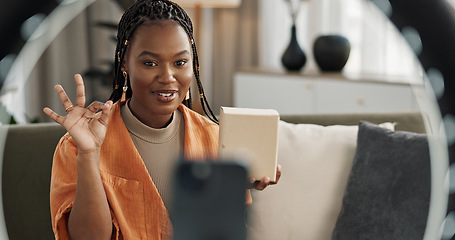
<point x="316" y="162"/>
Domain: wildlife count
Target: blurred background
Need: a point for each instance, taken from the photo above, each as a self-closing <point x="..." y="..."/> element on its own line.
<point x="231" y="38"/>
<point x="241" y="45"/>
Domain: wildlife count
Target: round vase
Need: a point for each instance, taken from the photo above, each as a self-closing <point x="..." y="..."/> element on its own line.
<point x="331" y="52"/>
<point x="293" y="58"/>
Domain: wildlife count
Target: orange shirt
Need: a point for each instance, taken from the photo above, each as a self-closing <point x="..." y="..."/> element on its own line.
<point x="136" y="207"/>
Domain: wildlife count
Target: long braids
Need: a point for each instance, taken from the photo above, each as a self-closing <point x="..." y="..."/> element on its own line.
<point x="136" y="15"/>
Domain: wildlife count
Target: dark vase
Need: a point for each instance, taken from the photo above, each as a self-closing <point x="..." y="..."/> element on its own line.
<point x="331" y="52"/>
<point x="293" y="58"/>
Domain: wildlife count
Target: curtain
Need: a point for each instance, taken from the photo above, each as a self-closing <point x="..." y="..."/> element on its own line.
<point x="81" y="46"/>
<point x="228" y="42"/>
<point x="235" y="37"/>
<point x="377" y="48"/>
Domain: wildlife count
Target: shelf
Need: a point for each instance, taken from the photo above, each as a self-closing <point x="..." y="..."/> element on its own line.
<point x="306" y="93"/>
<point x="339" y="76"/>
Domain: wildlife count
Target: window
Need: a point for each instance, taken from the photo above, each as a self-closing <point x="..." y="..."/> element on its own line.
<point x="377" y="48"/>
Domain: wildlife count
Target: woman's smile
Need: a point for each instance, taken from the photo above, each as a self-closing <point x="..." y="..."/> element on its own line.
<point x="165" y="96"/>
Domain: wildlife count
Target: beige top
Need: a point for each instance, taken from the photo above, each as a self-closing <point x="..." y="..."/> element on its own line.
<point x="159" y="148"/>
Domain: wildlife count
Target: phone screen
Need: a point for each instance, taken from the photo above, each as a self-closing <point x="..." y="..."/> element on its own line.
<point x="209" y="201"/>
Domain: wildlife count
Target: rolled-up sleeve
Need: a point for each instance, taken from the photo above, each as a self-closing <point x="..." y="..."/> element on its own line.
<point x="63" y="185"/>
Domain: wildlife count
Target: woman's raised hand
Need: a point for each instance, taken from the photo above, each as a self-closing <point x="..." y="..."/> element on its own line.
<point x="86" y="127"/>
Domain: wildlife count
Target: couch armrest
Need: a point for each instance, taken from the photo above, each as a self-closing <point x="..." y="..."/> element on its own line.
<point x="26" y="173"/>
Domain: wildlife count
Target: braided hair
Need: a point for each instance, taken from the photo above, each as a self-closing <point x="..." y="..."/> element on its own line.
<point x="135" y="16"/>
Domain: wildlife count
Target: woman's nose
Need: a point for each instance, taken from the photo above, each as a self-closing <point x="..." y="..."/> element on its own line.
<point x="167" y="75"/>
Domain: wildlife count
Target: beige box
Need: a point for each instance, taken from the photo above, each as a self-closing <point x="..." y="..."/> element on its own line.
<point x="250" y="136"/>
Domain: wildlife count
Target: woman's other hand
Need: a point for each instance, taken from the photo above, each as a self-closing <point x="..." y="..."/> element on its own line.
<point x="264" y="182"/>
<point x="86" y="127"/>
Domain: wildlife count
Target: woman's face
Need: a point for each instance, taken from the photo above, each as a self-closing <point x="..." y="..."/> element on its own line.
<point x="160" y="69"/>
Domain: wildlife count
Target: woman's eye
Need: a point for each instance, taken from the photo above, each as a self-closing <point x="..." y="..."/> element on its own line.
<point x="150" y="63"/>
<point x="180" y="63"/>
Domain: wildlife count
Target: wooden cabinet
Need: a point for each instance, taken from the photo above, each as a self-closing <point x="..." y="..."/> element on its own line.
<point x="298" y="93"/>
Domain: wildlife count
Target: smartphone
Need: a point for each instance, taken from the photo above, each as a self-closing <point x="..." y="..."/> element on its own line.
<point x="209" y="201"/>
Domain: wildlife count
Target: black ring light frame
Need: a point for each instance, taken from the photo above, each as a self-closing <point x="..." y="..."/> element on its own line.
<point x="434" y="20"/>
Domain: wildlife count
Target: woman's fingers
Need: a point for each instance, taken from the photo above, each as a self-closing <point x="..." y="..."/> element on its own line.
<point x="265" y="181"/>
<point x="260" y="185"/>
<point x="95" y="106"/>
<point x="80" y="94"/>
<point x="54" y="116"/>
<point x="66" y="102"/>
<point x="105" y="110"/>
<point x="278" y="175"/>
<point x="249" y="199"/>
<point x="80" y="91"/>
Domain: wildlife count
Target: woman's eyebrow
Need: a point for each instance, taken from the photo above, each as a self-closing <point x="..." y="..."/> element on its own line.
<point x="144" y="53"/>
<point x="184" y="52"/>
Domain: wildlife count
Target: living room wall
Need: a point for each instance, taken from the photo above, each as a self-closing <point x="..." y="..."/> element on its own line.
<point x="255" y="34"/>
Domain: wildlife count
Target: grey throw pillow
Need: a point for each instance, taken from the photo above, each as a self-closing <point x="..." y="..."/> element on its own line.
<point x="388" y="191"/>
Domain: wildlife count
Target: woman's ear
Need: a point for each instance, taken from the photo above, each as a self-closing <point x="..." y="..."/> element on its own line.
<point x="123" y="66"/>
<point x="123" y="63"/>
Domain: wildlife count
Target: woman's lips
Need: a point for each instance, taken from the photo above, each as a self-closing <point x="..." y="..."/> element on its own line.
<point x="165" y="96"/>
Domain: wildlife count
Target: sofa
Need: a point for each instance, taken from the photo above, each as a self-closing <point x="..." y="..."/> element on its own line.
<point x="347" y="176"/>
<point x="304" y="205"/>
